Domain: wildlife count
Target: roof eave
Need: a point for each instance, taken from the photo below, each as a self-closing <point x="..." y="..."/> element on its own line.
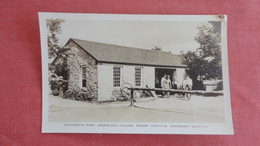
<point x="140" y="64"/>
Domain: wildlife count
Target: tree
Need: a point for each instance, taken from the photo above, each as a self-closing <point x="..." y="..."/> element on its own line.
<point x="54" y="28"/>
<point x="56" y="51"/>
<point x="206" y="60"/>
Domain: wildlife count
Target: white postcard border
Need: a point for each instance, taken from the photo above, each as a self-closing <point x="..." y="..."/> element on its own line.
<point x="147" y="128"/>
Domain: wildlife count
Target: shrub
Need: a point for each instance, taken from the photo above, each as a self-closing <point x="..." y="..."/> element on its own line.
<point x="79" y="94"/>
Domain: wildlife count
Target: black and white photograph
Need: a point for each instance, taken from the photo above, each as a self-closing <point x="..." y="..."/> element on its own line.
<point x="153" y="74"/>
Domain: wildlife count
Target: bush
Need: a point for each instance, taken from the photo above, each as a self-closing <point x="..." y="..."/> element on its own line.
<point x="79" y="95"/>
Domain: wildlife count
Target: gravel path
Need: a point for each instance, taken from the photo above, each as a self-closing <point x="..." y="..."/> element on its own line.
<point x="170" y="110"/>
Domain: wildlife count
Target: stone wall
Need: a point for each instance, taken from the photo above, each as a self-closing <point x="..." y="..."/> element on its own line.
<point x="76" y="59"/>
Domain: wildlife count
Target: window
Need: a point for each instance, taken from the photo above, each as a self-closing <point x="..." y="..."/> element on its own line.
<point x="116" y="76"/>
<point x="83" y="76"/>
<point x="138" y="75"/>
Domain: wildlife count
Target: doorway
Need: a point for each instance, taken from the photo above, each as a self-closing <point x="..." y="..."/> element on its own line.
<point x="159" y="73"/>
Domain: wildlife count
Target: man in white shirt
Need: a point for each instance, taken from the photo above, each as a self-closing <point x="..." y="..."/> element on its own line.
<point x="187" y="83"/>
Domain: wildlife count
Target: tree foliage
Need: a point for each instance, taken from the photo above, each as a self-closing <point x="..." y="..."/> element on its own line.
<point x="54" y="28"/>
<point x="206" y="60"/>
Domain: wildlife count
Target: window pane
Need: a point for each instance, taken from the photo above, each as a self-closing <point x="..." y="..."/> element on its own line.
<point x="137" y="76"/>
<point x="84" y="83"/>
<point x="116" y="76"/>
<point x="84" y="76"/>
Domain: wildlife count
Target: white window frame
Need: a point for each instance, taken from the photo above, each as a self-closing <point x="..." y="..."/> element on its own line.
<point x="141" y="72"/>
<point x="120" y="78"/>
<point x="81" y="76"/>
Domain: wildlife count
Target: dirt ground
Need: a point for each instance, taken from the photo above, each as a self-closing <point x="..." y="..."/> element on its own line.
<point x="198" y="109"/>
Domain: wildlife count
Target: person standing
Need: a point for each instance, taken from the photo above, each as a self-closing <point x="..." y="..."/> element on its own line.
<point x="174" y="84"/>
<point x="167" y="85"/>
<point x="163" y="84"/>
<point x="187" y="83"/>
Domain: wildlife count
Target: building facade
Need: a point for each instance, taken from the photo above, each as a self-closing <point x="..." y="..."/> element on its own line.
<point x="103" y="68"/>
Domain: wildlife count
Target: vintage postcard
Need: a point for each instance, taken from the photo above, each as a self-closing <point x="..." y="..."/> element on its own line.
<point x="144" y="74"/>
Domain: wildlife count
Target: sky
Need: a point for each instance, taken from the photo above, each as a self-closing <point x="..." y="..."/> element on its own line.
<point x="173" y="36"/>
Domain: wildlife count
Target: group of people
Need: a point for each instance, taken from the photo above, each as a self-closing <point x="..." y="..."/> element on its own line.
<point x="166" y="83"/>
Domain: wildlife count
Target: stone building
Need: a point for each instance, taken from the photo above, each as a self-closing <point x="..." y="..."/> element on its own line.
<point x="105" y="67"/>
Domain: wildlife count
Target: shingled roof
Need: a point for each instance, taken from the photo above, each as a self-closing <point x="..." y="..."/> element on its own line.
<point x="110" y="53"/>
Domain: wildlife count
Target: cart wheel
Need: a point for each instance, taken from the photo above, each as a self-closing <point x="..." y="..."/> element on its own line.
<point x="124" y="90"/>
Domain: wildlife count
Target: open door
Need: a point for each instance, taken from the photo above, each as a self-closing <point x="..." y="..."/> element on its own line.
<point x="159" y="73"/>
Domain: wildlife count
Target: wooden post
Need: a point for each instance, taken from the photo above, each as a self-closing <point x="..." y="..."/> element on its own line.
<point x="132" y="97"/>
